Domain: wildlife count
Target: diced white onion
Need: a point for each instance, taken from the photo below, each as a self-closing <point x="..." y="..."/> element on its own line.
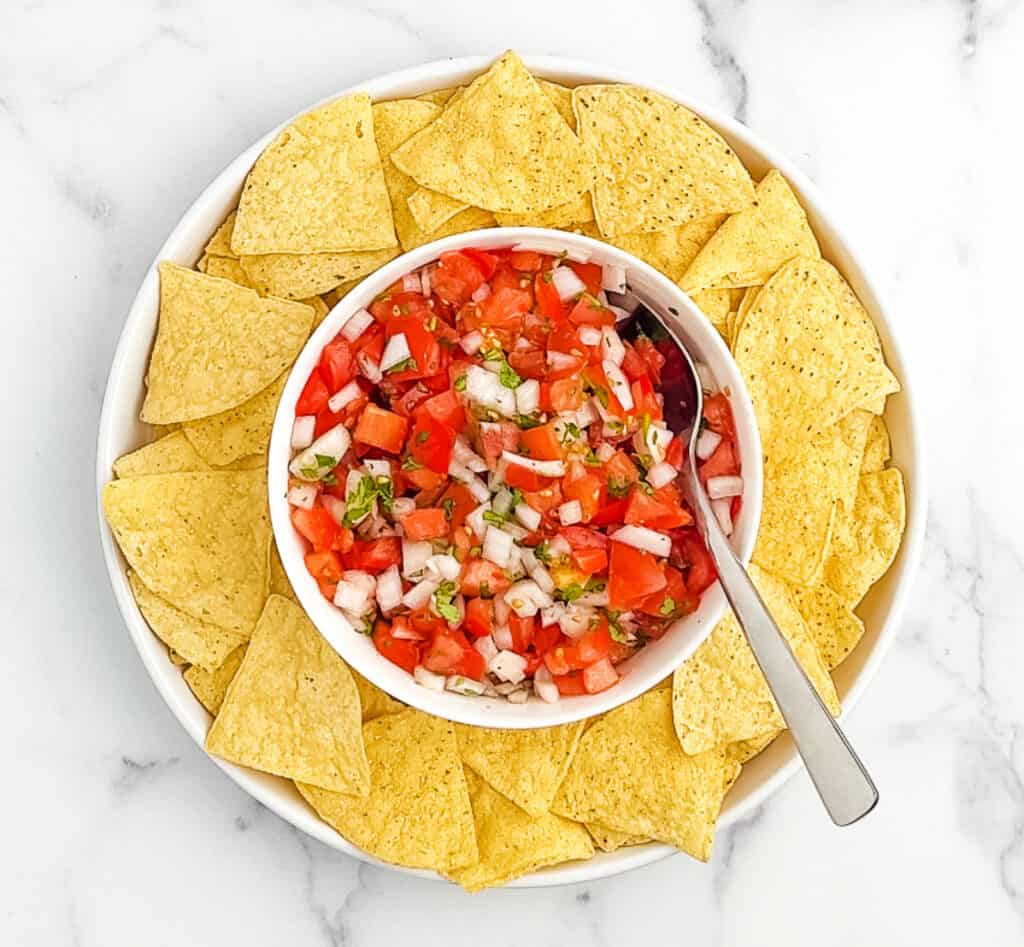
<point x="570" y="513"/>
<point x="723" y="513"/>
<point x="544" y="687"/>
<point x="605" y="452"/>
<point x="543" y="468"/>
<point x="414" y="557"/>
<point x="402" y="506"/>
<point x="612" y="347"/>
<point x="335" y="507"/>
<point x="528" y="396"/>
<point x="551" y="614"/>
<point x="389" y="589"/>
<point x="542" y="577"/>
<point x="486" y="646"/>
<point x="302" y="431"/>
<point x="425" y="275"/>
<point x="575" y="620"/>
<point x="481" y="292"/>
<point x="464" y="685"/>
<point x="476" y="520"/>
<point x="554" y="248"/>
<point x="302" y="495"/>
<point x="527" y="515"/>
<point x="619" y="384"/>
<point x="560" y="361"/>
<point x="411" y="283"/>
<point x="594" y="599"/>
<point x="370" y="369"/>
<point x="497" y="547"/>
<point x="508" y="666"/>
<point x="356" y="324"/>
<point x="519" y="696"/>
<point x="590" y="335"/>
<point x="430" y="680"/>
<point x="526" y="598"/>
<point x="443" y="566"/>
<point x="333" y="443"/>
<point x="419" y="595"/>
<point x="613" y="278"/>
<point x="472" y="342"/>
<point x="640" y="537"/>
<point x="502" y="501"/>
<point x="720" y="488"/>
<point x="585" y="416"/>
<point x="465" y="455"/>
<point x="559" y="547"/>
<point x="378" y="468"/>
<point x="567" y="284"/>
<point x="355" y="591"/>
<point x="344" y="396"/>
<point x="395" y="352"/>
<point x="486" y="390"/>
<point x="707" y="443"/>
<point x="501" y="613"/>
<point x="502" y="636"/>
<point x="660" y="474"/>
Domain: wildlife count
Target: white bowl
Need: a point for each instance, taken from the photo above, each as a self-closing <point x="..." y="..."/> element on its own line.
<point x="120" y="431"/>
<point x="653" y="663"/>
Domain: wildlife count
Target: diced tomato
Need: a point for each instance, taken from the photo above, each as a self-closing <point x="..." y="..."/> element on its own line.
<point x="589" y="312"/>
<point x="326" y="568"/>
<point x="485" y="262"/>
<point x="611" y="512"/>
<point x="337" y="363"/>
<point x="586" y="489"/>
<point x="423" y="479"/>
<point x="591" y="561"/>
<point x="457" y="503"/>
<point x="542" y="443"/>
<point x="569" y="685"/>
<point x="479" y="617"/>
<point x="375" y="555"/>
<point x="525" y="479"/>
<point x="423" y="347"/>
<point x="580" y="537"/>
<point x="446" y="409"/>
<point x="545" y="637"/>
<point x="456" y="277"/>
<point x="526" y="261"/>
<point x="543" y="500"/>
<point x="655" y="512"/>
<point x="645" y="400"/>
<point x="567" y="394"/>
<point x="633" y="365"/>
<point x="481" y="577"/>
<point x="718" y="414"/>
<point x="431" y="443"/>
<point x="425" y="524"/>
<point x="504" y="309"/>
<point x="589" y="273"/>
<point x="673" y="600"/>
<point x="675" y="453"/>
<point x="406" y="654"/>
<point x="383" y="429"/>
<point x="495" y="437"/>
<point x="633" y="575"/>
<point x="529" y="363"/>
<point x="548" y="300"/>
<point x="521" y="630"/>
<point x="557" y="658"/>
<point x="594" y="644"/>
<point x="314" y="395"/>
<point x="450" y="653"/>
<point x="599" y="676"/>
<point x="695" y="558"/>
<point x="317" y="526"/>
<point x="722" y="463"/>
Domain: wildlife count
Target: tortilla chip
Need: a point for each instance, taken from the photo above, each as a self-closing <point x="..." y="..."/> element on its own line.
<point x="803" y="483"/>
<point x="719" y="695"/>
<point x="743" y="751"/>
<point x="217" y="345"/>
<point x="373" y="701"/>
<point x="252" y="462"/>
<point x="176" y="659"/>
<point x="197" y="642"/>
<point x="751" y="245"/>
<point x="220" y="242"/>
<point x="876" y="448"/>
<point x="301" y="275"/>
<point x="279" y="584"/>
<point x="608" y="840"/>
<point x="293" y="708"/>
<point x="512" y="843"/>
<point x="224" y="267"/>
<point x="631" y="775"/>
<point x="565" y="216"/>
<point x="835" y="627"/>
<point x="237" y="432"/>
<point x="172" y="453"/>
<point x="438" y="96"/>
<point x="431" y="209"/>
<point x="715" y="304"/>
<point x="318" y="187"/>
<point x="501" y="146"/>
<point x="668" y="251"/>
<point x="394" y="124"/>
<point x="418" y="812"/>
<point x="658" y="164"/>
<point x="737" y="319"/>
<point x="865" y="543"/>
<point x="211" y="686"/>
<point x="526" y="766"/>
<point x="198" y="540"/>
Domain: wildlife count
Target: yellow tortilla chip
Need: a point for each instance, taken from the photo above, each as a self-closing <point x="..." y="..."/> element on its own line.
<point x="252" y="462"/>
<point x="439" y="96"/>
<point x="658" y="164"/>
<point x="714" y="303"/>
<point x="608" y="840"/>
<point x="238" y="432"/>
<point x="743" y="751"/>
<point x="630" y="774"/>
<point x="217" y="345"/>
<point x="561" y="99"/>
<point x="418" y="812"/>
<point x="318" y="188"/>
<point x="234" y="270"/>
<point x="876" y="448"/>
<point x="431" y="209"/>
<point x="224" y="267"/>
<point x="172" y="453"/>
<point x="565" y="216"/>
<point x="719" y="695"/>
<point x="737" y="319"/>
<point x="835" y="627"/>
<point x="373" y="701"/>
<point x="394" y="124"/>
<point x="197" y="642"/>
<point x="512" y="843"/>
<point x="301" y="275"/>
<point x="176" y="659"/>
<point x="279" y="584"/>
<point x="198" y="540"/>
<point x="668" y="251"/>
<point x="211" y="686"/>
<point x="865" y="542"/>
<point x="526" y="766"/>
<point x="754" y="243"/>
<point x="220" y="242"/>
<point x="501" y="146"/>
<point x="293" y="708"/>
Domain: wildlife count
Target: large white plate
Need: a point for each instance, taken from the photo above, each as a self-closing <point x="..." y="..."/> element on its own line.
<point x="121" y="431"/>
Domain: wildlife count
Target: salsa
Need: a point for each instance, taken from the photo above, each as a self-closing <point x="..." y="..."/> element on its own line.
<point x="486" y="481"/>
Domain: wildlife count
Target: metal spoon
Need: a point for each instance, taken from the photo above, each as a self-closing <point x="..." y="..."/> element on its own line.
<point x="838" y="775"/>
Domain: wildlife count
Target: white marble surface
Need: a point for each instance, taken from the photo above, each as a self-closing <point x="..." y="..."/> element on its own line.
<point x="119" y="831"/>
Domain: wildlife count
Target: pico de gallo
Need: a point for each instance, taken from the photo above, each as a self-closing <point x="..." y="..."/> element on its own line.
<point x="486" y="481"/>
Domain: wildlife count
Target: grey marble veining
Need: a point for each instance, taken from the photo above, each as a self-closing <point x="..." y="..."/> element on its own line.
<point x="119" y="831"/>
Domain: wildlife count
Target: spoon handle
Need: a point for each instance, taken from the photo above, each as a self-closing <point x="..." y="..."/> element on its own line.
<point x="838" y="775"/>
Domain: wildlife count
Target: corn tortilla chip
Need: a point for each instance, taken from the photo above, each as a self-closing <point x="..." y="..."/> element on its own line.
<point x="418" y="812"/>
<point x="238" y="432"/>
<point x="229" y="268"/>
<point x="668" y="251"/>
<point x="512" y="843"/>
<point x="279" y="584"/>
<point x="608" y="840"/>
<point x="658" y="164"/>
<point x="714" y="303"/>
<point x="565" y="216"/>
<point x="501" y="146"/>
<point x="293" y="708"/>
<point x="301" y="275"/>
<point x="211" y="686"/>
<point x="876" y="448"/>
<point x="318" y="188"/>
<point x="252" y="462"/>
<point x="866" y="540"/>
<point x="751" y="245"/>
<point x="197" y="642"/>
<point x="431" y="209"/>
<point x="631" y="775"/>
<point x="526" y="766"/>
<point x="835" y="627"/>
<point x="743" y="751"/>
<point x="439" y="96"/>
<point x="198" y="540"/>
<point x="736" y="321"/>
<point x="234" y="270"/>
<point x="373" y="701"/>
<point x="220" y="242"/>
<point x="217" y="345"/>
<point x="394" y="124"/>
<point x="172" y="453"/>
<point x="719" y="695"/>
<point x="176" y="659"/>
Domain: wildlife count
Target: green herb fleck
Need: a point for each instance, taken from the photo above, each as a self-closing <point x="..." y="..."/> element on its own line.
<point x="448" y="505"/>
<point x="668" y="606"/>
<point x="443" y="601"/>
<point x="618" y="487"/>
<point x="508" y="376"/>
<point x="422" y="437"/>
<point x="406" y="365"/>
<point x="460" y="383"/>
<point x="591" y="459"/>
<point x="492" y="516"/>
<point x="570" y="433"/>
<point x="411" y="463"/>
<point x="527" y="421"/>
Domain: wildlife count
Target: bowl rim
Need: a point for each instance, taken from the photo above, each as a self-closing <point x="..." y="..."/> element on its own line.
<point x="678" y="643"/>
<point x="440" y="74"/>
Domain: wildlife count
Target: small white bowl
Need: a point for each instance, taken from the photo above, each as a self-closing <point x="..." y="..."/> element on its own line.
<point x="652" y="663"/>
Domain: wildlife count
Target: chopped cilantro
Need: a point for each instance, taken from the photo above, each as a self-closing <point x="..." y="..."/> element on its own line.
<point x="406" y="365"/>
<point x="310" y="473"/>
<point x="508" y="376"/>
<point x="542" y="553"/>
<point x="485" y="590"/>
<point x="331" y="480"/>
<point x="601" y="393"/>
<point x="668" y="606"/>
<point x="591" y="459"/>
<point x="443" y="601"/>
<point x="385" y="493"/>
<point x="615" y="629"/>
<point x="517" y="497"/>
<point x="593" y="585"/>
<point x="527" y="421"/>
<point x="361" y="500"/>
<point x="492" y="516"/>
<point x="618" y="487"/>
<point x="422" y="437"/>
<point x="570" y="433"/>
<point x="411" y="463"/>
<point x="448" y="505"/>
<point x="325" y="460"/>
<point x="460" y="383"/>
<point x="570" y="593"/>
